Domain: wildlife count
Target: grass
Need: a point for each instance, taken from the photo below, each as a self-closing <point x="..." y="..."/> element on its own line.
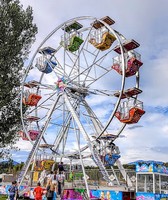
<point x="3" y="197"/>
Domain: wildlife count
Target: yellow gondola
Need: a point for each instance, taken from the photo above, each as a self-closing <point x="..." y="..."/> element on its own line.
<point x="106" y="41"/>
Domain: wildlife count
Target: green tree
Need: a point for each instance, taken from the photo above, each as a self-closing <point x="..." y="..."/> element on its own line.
<point x="17" y="33"/>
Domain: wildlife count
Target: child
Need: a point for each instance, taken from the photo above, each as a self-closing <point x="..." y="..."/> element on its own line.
<point x="38" y="192"/>
<point x="54" y="185"/>
<point x="13" y="191"/>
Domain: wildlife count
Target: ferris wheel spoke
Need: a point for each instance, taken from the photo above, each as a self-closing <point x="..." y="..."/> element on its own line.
<point x="41" y="105"/>
<point x="105" y="71"/>
<point x="89" y="69"/>
<point x="65" y="127"/>
<point x="88" y="91"/>
<point x="96" y="122"/>
<point x="102" y="92"/>
<point x="79" y="53"/>
<point x="49" y="114"/>
<point x="70" y="61"/>
<point x="98" y="126"/>
<point x="73" y="113"/>
<point x="60" y="73"/>
<point x="39" y="85"/>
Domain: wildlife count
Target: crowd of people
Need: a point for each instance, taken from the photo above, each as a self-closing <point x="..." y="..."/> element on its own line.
<point x="50" y="191"/>
<point x="54" y="185"/>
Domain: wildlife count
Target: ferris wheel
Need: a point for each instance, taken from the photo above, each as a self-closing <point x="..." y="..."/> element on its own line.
<point x="80" y="90"/>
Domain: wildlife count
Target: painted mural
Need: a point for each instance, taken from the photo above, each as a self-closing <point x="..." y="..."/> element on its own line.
<point x="29" y="193"/>
<point x="150" y="196"/>
<point x="77" y="194"/>
<point x="152" y="167"/>
<point x="4" y="189"/>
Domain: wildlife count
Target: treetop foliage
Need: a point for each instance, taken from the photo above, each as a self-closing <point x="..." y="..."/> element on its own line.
<point x="17" y="33"/>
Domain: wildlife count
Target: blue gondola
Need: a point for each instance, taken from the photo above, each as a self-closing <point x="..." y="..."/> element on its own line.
<point x="111" y="159"/>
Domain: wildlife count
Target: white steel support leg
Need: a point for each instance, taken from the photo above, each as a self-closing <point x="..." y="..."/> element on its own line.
<point x="123" y="172"/>
<point x="83" y="168"/>
<point x="136" y="182"/>
<point x="97" y="125"/>
<point x="115" y="175"/>
<point x="53" y="166"/>
<point x="76" y="119"/>
<point x="32" y="168"/>
<point x="153" y="183"/>
<point x="60" y="136"/>
<point x="71" y="109"/>
<point x="63" y="131"/>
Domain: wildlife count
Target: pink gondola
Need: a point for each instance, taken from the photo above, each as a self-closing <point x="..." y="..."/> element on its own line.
<point x="32" y="133"/>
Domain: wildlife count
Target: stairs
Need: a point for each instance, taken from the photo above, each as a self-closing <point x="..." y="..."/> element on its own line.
<point x="85" y="195"/>
<point x="101" y="166"/>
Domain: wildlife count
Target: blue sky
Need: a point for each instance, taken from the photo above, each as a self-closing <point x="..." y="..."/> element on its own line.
<point x="146" y="22"/>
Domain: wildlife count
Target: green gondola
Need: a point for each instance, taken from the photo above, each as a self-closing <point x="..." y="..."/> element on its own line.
<point x="75" y="43"/>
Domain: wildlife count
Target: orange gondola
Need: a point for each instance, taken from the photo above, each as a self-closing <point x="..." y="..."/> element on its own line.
<point x="133" y="116"/>
<point x="130" y="111"/>
<point x="32" y="99"/>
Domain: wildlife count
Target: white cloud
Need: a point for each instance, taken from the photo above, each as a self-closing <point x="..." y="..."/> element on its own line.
<point x="24" y="145"/>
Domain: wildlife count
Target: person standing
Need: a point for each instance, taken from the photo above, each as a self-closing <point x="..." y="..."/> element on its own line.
<point x="38" y="192"/>
<point x="54" y="181"/>
<point x="42" y="177"/>
<point x="55" y="191"/>
<point x="13" y="191"/>
<point x="60" y="182"/>
<point x="61" y="167"/>
<point x="50" y="176"/>
<point x="50" y="190"/>
<point x="71" y="175"/>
